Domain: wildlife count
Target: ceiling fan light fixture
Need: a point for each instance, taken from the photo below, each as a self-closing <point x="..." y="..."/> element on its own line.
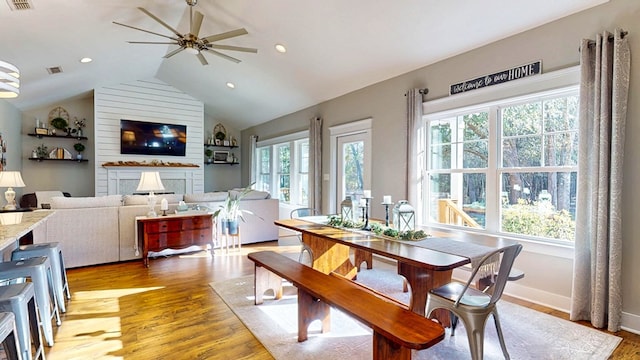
<point x="9" y="81"/>
<point x="280" y="48"/>
<point x="191" y="50"/>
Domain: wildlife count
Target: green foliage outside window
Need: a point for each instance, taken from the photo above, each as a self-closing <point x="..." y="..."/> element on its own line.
<point x="538" y="219"/>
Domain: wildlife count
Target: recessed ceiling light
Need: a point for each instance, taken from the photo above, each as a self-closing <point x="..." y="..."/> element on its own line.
<point x="85" y="60"/>
<point x="231" y="85"/>
<point x="280" y="48"/>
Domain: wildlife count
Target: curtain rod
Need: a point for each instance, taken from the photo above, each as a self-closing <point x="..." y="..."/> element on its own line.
<point x="610" y="37"/>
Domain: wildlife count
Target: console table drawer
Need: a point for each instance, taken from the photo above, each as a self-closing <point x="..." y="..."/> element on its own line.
<point x="163" y="226"/>
<point x="196" y="223"/>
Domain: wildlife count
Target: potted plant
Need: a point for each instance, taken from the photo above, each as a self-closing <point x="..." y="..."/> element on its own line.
<point x="208" y="153"/>
<point x="59" y="123"/>
<point x="229" y="211"/>
<point x="79" y="147"/>
<point x="42" y="151"/>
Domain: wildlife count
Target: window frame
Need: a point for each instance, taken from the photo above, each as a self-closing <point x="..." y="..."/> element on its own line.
<point x="293" y="141"/>
<point x="552" y="84"/>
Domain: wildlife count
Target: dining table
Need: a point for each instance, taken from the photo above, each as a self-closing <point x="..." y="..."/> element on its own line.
<point x="425" y="263"/>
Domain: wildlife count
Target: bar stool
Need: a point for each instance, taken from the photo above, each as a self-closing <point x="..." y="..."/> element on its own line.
<point x="8" y="336"/>
<point x="19" y="300"/>
<point x="39" y="270"/>
<point x="54" y="253"/>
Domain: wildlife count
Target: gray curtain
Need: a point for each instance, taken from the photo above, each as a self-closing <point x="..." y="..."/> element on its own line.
<point x="253" y="144"/>
<point x="414" y="162"/>
<point x="596" y="293"/>
<point x="315" y="164"/>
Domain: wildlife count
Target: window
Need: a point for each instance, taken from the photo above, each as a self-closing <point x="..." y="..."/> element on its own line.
<point x="508" y="166"/>
<point x="283" y="168"/>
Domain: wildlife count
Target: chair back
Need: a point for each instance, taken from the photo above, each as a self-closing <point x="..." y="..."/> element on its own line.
<point x="301" y="212"/>
<point x="506" y="257"/>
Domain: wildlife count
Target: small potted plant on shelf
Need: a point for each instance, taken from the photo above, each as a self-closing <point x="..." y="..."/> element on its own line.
<point x="79" y="147"/>
<point x="42" y="152"/>
<point x="208" y="153"/>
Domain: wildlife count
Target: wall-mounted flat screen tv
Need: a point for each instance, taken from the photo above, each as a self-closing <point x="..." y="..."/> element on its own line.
<point x="151" y="138"/>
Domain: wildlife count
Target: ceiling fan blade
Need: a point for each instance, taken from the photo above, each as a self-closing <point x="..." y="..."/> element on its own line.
<point x="196" y="23"/>
<point x="203" y="61"/>
<point x="160" y="21"/>
<point x="147" y="31"/>
<point x="226" y="35"/>
<point x="173" y="52"/>
<point x="152" y="42"/>
<point x="230" y="47"/>
<point x="223" y="55"/>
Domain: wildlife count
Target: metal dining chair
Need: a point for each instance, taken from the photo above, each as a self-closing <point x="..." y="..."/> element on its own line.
<point x="302" y="212"/>
<point x="473" y="306"/>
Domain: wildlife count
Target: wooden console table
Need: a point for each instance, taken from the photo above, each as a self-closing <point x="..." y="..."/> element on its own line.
<point x="173" y="232"/>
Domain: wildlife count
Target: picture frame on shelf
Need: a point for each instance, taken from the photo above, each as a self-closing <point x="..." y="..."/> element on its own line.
<point x="226" y="143"/>
<point x="220" y="157"/>
<point x="218" y="142"/>
<point x="41" y="131"/>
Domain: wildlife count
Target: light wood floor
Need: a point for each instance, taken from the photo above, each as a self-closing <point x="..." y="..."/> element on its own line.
<point x="125" y="311"/>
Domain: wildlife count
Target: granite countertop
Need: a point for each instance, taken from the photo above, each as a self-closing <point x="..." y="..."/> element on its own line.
<point x="20" y="224"/>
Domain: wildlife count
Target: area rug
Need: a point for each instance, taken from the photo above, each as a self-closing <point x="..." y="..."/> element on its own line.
<point x="529" y="334"/>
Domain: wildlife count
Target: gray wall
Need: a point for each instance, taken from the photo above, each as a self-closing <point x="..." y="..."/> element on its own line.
<point x="556" y="44"/>
<point x="9" y="118"/>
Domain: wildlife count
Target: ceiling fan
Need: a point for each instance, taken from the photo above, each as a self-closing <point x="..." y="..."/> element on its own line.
<point x="190" y="42"/>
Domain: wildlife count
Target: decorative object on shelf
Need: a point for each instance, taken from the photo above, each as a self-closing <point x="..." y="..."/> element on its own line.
<point x="59" y="123"/>
<point x="60" y="153"/>
<point x="220" y="133"/>
<point x="386" y="201"/>
<point x="80" y="124"/>
<point x="234" y="141"/>
<point x="58" y="112"/>
<point x="346" y="209"/>
<point x="208" y="153"/>
<point x="153" y="163"/>
<point x="42" y="152"/>
<point x="231" y="158"/>
<point x="150" y="181"/>
<point x="41" y="131"/>
<point x="3" y="150"/>
<point x="404" y="216"/>
<point x="220" y="157"/>
<point x="10" y="179"/>
<point x="79" y="147"/>
<point x="10" y="84"/>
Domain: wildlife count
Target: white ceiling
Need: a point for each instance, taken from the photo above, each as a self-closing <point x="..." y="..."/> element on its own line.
<point x="334" y="46"/>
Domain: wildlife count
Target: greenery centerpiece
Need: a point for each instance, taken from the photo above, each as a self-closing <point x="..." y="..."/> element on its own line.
<point x="378" y="229"/>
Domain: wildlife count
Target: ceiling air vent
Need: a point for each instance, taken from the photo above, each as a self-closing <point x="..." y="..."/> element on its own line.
<point x="54" y="70"/>
<point x="19" y="5"/>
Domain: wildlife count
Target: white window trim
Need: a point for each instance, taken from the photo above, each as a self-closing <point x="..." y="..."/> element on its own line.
<point x="354" y="127"/>
<point x="553" y="83"/>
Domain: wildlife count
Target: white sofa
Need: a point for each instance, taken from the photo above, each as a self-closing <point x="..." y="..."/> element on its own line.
<point x="98" y="230"/>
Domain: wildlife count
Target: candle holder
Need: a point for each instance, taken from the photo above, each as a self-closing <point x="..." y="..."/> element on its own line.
<point x="366" y="214"/>
<point x="386" y="212"/>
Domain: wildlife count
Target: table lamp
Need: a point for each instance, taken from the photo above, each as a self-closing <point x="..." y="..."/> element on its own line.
<point x="150" y="181"/>
<point x="10" y="179"/>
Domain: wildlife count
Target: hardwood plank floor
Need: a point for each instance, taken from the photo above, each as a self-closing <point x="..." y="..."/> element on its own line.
<point x="168" y="311"/>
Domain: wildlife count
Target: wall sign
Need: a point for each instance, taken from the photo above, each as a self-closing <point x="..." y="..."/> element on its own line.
<point x="518" y="72"/>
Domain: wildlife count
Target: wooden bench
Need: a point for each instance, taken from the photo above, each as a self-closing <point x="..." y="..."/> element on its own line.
<point x="396" y="330"/>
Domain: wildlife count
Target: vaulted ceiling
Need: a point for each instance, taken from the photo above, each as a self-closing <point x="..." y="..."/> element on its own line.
<point x="333" y="46"/>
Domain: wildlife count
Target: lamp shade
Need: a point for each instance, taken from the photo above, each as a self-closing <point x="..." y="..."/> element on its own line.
<point x="9" y="81"/>
<point x="11" y="179"/>
<point x="150" y="181"/>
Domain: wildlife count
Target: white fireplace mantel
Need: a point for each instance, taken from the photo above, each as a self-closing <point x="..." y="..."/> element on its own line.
<point x="124" y="180"/>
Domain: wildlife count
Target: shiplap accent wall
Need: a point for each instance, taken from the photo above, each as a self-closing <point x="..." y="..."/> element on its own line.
<point x="146" y="100"/>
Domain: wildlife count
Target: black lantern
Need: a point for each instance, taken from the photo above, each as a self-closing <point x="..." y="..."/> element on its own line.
<point x="346" y="209"/>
